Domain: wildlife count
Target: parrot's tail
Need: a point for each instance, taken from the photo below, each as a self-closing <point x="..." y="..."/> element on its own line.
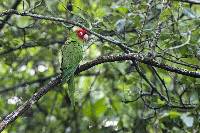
<point x="71" y="89"/>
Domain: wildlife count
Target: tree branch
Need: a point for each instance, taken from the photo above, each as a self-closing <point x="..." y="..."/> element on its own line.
<point x="27" y="105"/>
<point x="122" y="45"/>
<point x="102" y="59"/>
<point x="30" y="45"/>
<point x="17" y="2"/>
<point x="25" y="84"/>
<point x="40" y="80"/>
<point x="133" y="56"/>
<point x="190" y="1"/>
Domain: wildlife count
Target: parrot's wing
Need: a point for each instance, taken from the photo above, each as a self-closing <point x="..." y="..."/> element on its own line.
<point x="66" y="73"/>
<point x="72" y="54"/>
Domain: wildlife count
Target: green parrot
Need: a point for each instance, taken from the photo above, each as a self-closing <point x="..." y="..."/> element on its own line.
<point x="72" y="54"/>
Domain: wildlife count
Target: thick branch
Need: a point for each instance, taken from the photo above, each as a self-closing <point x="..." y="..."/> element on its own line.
<point x="40" y="80"/>
<point x="103" y="59"/>
<point x="132" y="56"/>
<point x="19" y="111"/>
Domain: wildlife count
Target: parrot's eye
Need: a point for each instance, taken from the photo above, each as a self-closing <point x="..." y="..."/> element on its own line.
<point x="80" y="33"/>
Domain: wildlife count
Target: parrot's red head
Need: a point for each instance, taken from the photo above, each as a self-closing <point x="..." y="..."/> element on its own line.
<point x="81" y="33"/>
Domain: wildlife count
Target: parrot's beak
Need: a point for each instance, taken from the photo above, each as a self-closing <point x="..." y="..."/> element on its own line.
<point x="86" y="37"/>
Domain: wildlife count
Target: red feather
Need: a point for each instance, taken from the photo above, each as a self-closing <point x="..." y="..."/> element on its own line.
<point x="81" y="32"/>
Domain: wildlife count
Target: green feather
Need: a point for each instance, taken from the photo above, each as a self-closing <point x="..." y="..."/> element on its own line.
<point x="71" y="89"/>
<point x="72" y="54"/>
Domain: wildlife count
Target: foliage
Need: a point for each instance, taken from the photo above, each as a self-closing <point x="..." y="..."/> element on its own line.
<point x="124" y="96"/>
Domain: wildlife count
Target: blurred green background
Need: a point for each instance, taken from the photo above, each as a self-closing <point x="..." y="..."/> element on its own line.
<point x="109" y="96"/>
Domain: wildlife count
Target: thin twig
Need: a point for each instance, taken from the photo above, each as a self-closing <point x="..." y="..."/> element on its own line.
<point x="2" y="24"/>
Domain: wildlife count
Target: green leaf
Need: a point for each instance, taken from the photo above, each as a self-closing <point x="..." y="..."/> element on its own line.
<point x="160" y="102"/>
<point x="165" y="14"/>
<point x="189" y="13"/>
<point x="100" y="107"/>
<point x="97" y="109"/>
<point x="174" y="114"/>
<point x="122" y="10"/>
<point x="29" y="2"/>
<point x="23" y="21"/>
<point x="188" y="120"/>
